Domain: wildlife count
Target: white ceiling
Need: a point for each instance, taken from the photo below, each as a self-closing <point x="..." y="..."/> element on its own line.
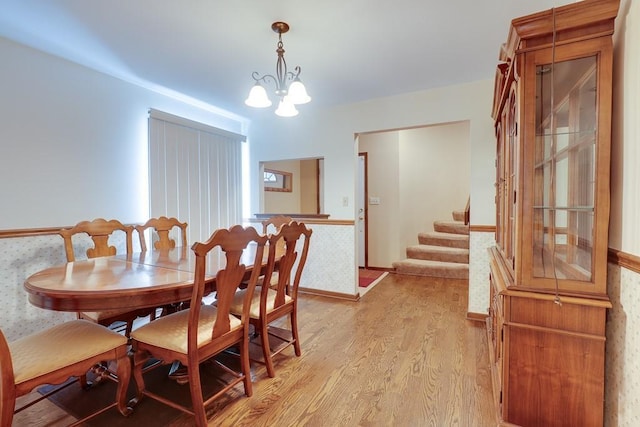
<point x="349" y="50"/>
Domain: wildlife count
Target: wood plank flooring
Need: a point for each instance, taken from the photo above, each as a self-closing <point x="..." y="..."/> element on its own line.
<point x="404" y="355"/>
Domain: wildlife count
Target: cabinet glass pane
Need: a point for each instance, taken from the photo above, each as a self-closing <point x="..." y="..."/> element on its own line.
<point x="564" y="175"/>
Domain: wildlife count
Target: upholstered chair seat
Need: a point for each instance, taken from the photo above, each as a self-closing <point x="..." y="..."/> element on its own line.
<point x="254" y="311"/>
<point x="171" y="331"/>
<point x="42" y="352"/>
<point x="53" y="356"/>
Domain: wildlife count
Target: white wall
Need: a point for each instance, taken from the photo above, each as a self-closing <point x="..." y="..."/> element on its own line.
<point x="434" y="176"/>
<point x="73" y="142"/>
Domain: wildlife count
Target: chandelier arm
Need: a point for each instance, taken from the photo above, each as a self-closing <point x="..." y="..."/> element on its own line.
<point x="264" y="78"/>
<point x="297" y="70"/>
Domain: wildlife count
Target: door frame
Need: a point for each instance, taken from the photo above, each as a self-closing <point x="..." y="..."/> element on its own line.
<point x="363" y="196"/>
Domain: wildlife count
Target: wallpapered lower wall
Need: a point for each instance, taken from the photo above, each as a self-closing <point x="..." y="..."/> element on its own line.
<point x="479" y="243"/>
<point x="20" y="257"/>
<point x="622" y="388"/>
<point x="330" y="267"/>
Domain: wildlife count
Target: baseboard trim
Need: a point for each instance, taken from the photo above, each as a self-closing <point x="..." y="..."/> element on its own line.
<point x="388" y="269"/>
<point x="330" y="294"/>
<point x="477" y="317"/>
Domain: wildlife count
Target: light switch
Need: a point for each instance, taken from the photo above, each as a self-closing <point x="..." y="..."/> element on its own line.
<point x="374" y="200"/>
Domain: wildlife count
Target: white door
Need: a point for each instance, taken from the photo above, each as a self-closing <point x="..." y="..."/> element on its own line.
<point x="362" y="212"/>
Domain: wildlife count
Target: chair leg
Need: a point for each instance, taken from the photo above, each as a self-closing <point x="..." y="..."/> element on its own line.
<point x="197" y="401"/>
<point x="139" y="361"/>
<point x="8" y="405"/>
<point x="266" y="350"/>
<point x="124" y="376"/>
<point x="245" y="366"/>
<point x="82" y="379"/>
<point x="128" y="328"/>
<point x="294" y="332"/>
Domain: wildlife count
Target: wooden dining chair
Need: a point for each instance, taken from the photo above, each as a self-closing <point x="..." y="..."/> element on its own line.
<point x="198" y="333"/>
<point x="54" y="355"/>
<point x="273" y="303"/>
<point x="276" y="222"/>
<point x="100" y="231"/>
<point x="162" y="227"/>
<point x="273" y="224"/>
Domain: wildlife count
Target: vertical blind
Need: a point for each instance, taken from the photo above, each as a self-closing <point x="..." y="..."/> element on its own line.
<point x="194" y="174"/>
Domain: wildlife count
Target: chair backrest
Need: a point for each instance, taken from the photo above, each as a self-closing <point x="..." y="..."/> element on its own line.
<point x="285" y="259"/>
<point x="162" y="226"/>
<point x="239" y="245"/>
<point x="99" y="230"/>
<point x="276" y="221"/>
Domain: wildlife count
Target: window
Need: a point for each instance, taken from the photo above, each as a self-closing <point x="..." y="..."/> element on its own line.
<point x="195" y="174"/>
<point x="277" y="180"/>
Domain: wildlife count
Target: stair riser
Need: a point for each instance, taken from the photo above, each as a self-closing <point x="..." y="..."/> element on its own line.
<point x="433" y="272"/>
<point x="458" y="216"/>
<point x="443" y="241"/>
<point x="451" y="228"/>
<point x="437" y="256"/>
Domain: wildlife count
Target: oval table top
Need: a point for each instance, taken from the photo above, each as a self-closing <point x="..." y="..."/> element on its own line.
<point x="144" y="279"/>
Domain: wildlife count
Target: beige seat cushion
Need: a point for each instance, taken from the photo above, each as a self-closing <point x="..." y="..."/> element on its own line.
<point x="254" y="311"/>
<point x="59" y="347"/>
<point x="171" y="331"/>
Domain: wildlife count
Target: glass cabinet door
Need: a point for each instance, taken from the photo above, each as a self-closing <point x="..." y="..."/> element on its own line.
<point x="564" y="156"/>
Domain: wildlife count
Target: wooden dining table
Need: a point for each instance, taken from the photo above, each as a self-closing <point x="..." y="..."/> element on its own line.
<point x="151" y="278"/>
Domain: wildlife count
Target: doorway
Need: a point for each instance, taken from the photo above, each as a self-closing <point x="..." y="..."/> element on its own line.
<point x="407" y="171"/>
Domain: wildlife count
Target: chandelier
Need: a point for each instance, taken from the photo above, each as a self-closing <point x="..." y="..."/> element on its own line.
<point x="288" y="85"/>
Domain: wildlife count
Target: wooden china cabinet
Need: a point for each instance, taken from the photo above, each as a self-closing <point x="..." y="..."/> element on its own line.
<point x="552" y="112"/>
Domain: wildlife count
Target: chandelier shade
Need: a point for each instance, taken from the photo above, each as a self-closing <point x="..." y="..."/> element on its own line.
<point x="286" y="108"/>
<point x="258" y="97"/>
<point x="288" y="86"/>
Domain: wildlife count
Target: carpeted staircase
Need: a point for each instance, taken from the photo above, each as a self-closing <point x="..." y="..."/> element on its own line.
<point x="443" y="252"/>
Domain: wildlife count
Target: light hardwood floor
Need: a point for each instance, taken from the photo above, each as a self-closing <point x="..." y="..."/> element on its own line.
<point x="404" y="355"/>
